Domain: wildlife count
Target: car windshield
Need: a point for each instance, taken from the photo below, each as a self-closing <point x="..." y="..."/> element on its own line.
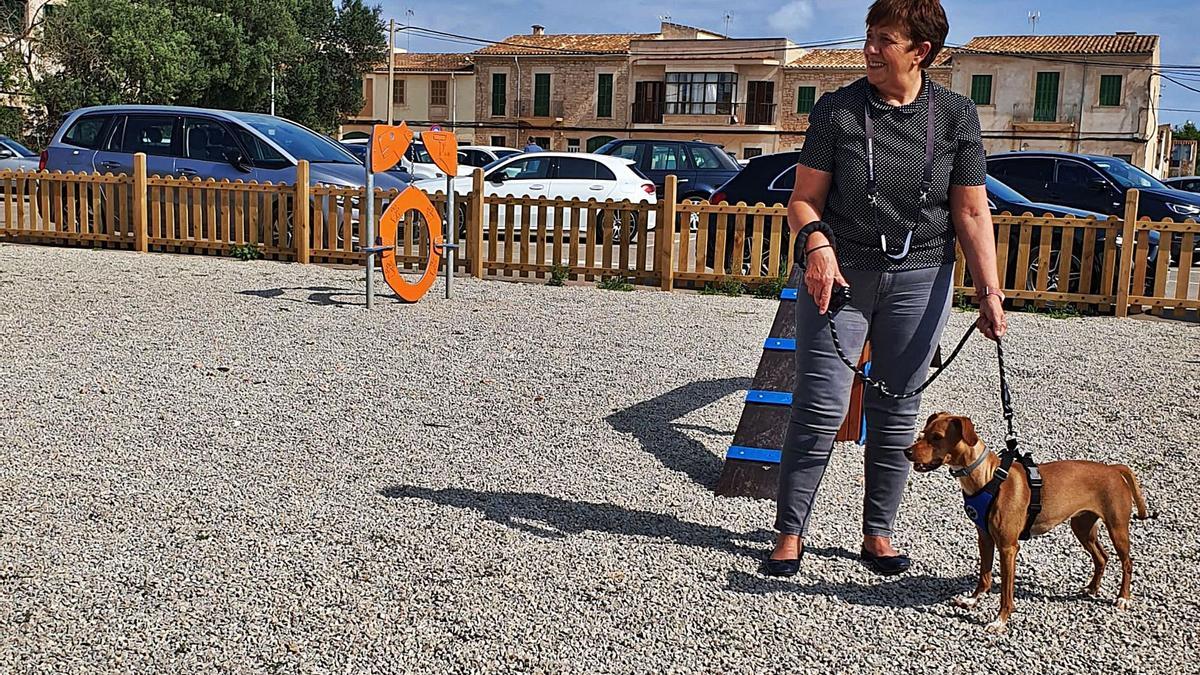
<point x="501" y="154"/>
<point x="298" y="141"/>
<point x="1006" y="193"/>
<point x="19" y="149"/>
<point x="1127" y="175"/>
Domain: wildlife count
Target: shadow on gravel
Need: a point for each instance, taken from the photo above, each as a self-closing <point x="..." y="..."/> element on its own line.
<point x="653" y="423"/>
<point x="326" y="296"/>
<point x="554" y="518"/>
<point x="904" y="592"/>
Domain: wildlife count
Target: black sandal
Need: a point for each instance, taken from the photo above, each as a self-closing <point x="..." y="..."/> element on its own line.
<point x="885" y="565"/>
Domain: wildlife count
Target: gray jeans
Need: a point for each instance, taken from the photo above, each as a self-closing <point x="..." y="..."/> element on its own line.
<point x="903" y="314"/>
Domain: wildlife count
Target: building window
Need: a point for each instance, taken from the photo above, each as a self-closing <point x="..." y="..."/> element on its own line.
<point x="1127" y="158"/>
<point x="700" y="93"/>
<point x="981" y="89"/>
<point x="397" y="92"/>
<point x="1110" y="90"/>
<point x="542" y="142"/>
<point x="1045" y="99"/>
<point x="499" y="141"/>
<point x="499" y="94"/>
<point x="541" y="95"/>
<point x="751" y="153"/>
<point x="604" y="95"/>
<point x="572" y="145"/>
<point x="437" y="92"/>
<point x="806" y="97"/>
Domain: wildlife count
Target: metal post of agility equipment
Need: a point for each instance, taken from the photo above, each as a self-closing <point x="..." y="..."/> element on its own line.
<point x="370" y="225"/>
<point x="451" y="232"/>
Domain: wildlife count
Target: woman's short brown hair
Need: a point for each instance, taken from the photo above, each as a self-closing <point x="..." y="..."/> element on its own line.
<point x="923" y="20"/>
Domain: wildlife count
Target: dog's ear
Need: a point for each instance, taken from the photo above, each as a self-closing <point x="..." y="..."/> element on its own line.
<point x="934" y="416"/>
<point x="966" y="430"/>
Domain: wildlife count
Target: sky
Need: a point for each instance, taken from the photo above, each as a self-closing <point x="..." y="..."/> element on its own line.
<point x="807" y="21"/>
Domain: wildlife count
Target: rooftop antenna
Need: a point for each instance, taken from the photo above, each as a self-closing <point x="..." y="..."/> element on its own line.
<point x="1034" y="17"/>
<point x="728" y="20"/>
<point x="408" y="15"/>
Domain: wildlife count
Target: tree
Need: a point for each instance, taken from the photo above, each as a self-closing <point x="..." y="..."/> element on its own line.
<point x="212" y="53"/>
<point x="1187" y="132"/>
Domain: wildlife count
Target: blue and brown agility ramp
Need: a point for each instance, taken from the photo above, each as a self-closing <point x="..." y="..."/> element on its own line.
<point x="752" y="462"/>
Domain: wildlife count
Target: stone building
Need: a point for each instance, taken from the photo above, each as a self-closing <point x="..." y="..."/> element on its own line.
<point x="428" y="89"/>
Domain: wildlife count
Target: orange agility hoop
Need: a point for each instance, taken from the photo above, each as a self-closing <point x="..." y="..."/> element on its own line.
<point x="411" y="199"/>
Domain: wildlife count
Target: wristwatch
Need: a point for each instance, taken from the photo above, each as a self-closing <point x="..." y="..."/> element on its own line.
<point x="981" y="294"/>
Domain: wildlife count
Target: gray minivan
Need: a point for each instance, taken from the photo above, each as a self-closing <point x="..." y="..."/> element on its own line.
<point x="198" y="142"/>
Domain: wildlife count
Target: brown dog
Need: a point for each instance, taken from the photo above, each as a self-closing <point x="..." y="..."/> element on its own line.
<point x="1079" y="491"/>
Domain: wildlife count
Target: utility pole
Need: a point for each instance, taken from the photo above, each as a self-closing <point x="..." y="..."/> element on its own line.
<point x="391" y="68"/>
<point x="272" y="90"/>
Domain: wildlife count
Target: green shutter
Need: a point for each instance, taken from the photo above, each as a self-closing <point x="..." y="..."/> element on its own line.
<point x="499" y="94"/>
<point x="1110" y="90"/>
<point x="981" y="89"/>
<point x="604" y="95"/>
<point x="805" y="98"/>
<point x="1045" y="100"/>
<point x="541" y="95"/>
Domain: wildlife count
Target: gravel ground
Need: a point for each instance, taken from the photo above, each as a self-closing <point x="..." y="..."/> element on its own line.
<point x="216" y="466"/>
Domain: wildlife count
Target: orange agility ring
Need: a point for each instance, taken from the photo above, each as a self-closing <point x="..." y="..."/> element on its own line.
<point x="411" y="199"/>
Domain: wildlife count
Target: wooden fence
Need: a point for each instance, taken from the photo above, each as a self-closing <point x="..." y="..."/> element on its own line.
<point x="1040" y="259"/>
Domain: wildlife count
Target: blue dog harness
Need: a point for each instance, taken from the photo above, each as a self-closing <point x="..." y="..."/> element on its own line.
<point x="979" y="505"/>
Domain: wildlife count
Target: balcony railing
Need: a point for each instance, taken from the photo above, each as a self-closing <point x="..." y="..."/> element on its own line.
<point x="739" y="114"/>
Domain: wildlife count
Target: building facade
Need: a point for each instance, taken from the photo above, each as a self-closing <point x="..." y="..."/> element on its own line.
<point x="428" y="89"/>
<point x="1074" y="93"/>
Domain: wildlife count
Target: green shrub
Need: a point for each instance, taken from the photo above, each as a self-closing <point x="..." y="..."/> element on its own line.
<point x="614" y="283"/>
<point x="245" y="252"/>
<point x="729" y="287"/>
<point x="771" y="289"/>
<point x="558" y="275"/>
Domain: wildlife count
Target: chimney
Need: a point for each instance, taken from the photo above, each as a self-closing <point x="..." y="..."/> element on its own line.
<point x="538" y="30"/>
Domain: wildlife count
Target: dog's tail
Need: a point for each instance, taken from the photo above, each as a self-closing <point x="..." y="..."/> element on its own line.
<point x="1138" y="499"/>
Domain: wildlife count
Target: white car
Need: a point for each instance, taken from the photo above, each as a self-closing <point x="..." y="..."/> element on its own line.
<point x="482" y="155"/>
<point x="560" y="175"/>
<point x="16" y="157"/>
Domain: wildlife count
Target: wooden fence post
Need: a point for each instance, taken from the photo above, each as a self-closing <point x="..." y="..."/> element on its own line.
<point x="665" y="238"/>
<point x="140" y="236"/>
<point x="475" y="225"/>
<point x="1128" y="236"/>
<point x="300" y="212"/>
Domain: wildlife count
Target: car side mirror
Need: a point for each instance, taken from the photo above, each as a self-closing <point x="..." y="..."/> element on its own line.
<point x="497" y="177"/>
<point x="237" y="160"/>
<point x="5" y="153"/>
<point x="1098" y="185"/>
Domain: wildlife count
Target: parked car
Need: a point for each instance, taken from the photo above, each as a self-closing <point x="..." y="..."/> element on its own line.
<point x="483" y="155"/>
<point x="359" y="150"/>
<point x="1095" y="183"/>
<point x="700" y="167"/>
<point x="1185" y="183"/>
<point x="202" y="143"/>
<point x="562" y="175"/>
<point x="1002" y="198"/>
<point x="17" y="157"/>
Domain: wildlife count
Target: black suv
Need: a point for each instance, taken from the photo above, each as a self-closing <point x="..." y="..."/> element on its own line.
<point x="1095" y="183"/>
<point x="701" y="167"/>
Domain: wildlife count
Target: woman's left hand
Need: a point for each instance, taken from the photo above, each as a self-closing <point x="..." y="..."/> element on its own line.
<point x="992" y="322"/>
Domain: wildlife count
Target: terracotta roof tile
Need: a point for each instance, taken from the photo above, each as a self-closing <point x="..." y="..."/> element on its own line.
<point x="843" y="59"/>
<point x="411" y="62"/>
<point x="565" y="43"/>
<point x="1066" y="44"/>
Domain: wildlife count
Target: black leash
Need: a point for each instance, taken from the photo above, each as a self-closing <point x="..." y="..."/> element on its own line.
<point x="841" y="297"/>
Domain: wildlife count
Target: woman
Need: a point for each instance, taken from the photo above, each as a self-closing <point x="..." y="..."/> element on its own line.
<point x="891" y="174"/>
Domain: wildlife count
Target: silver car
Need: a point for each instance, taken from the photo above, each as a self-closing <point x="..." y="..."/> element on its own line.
<point x="16" y="157"/>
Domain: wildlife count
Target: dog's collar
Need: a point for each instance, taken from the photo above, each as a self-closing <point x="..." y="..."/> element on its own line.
<point x="964" y="472"/>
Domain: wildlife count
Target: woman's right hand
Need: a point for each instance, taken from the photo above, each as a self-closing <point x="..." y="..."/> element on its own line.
<point x="822" y="272"/>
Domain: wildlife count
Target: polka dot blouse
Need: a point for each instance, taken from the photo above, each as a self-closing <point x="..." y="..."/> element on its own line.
<point x="836" y="143"/>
